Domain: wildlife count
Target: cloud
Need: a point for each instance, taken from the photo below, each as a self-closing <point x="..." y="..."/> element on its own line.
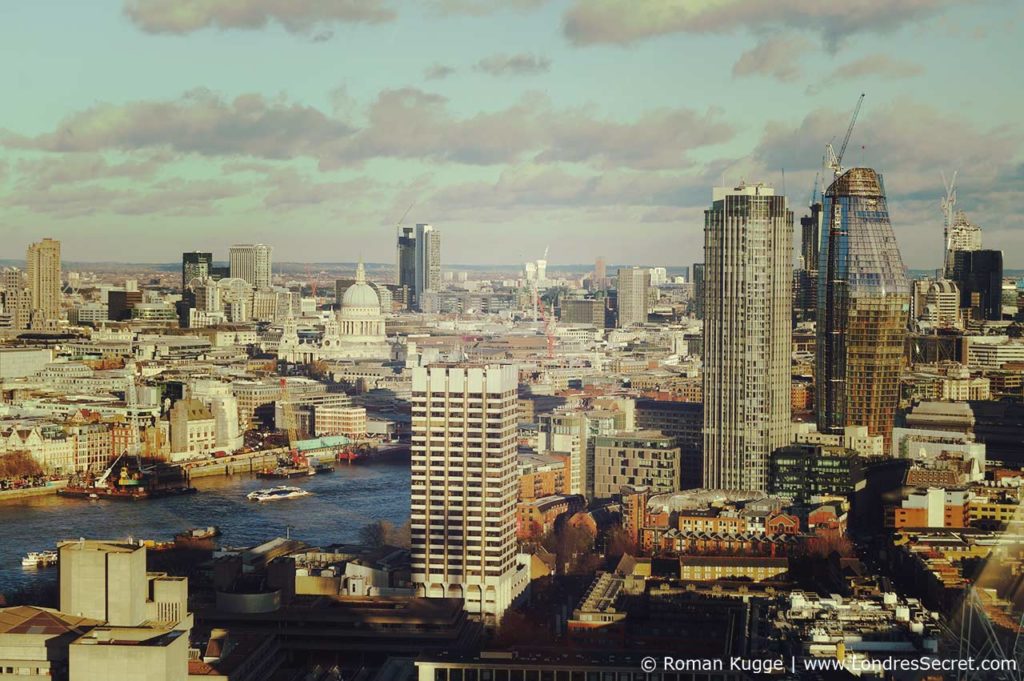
<point x="296" y="16"/>
<point x="873" y="65"/>
<point x="44" y="173"/>
<point x="403" y="123"/>
<point x="482" y="7"/>
<point x="622" y="22"/>
<point x="438" y="72"/>
<point x="169" y="197"/>
<point x="513" y="64"/>
<point x="198" y="122"/>
<point x="775" y="57"/>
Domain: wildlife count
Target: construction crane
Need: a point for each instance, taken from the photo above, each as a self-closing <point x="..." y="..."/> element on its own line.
<point x="948" y="204"/>
<point x="833" y="160"/>
<point x="549" y="325"/>
<point x="813" y="198"/>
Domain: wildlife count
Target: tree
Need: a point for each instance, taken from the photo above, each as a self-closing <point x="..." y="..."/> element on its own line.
<point x="374" y="535"/>
<point x="18" y="464"/>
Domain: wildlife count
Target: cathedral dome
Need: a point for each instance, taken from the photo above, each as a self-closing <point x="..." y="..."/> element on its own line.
<point x="360" y="294"/>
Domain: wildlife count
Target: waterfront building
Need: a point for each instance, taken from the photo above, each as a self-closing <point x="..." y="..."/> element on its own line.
<point x="251" y="262"/>
<point x="632" y="300"/>
<point x="464" y="486"/>
<point x="863" y="303"/>
<point x="748" y="234"/>
<point x="43" y="271"/>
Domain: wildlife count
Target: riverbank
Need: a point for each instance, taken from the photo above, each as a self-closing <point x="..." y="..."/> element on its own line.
<point x="28" y="492"/>
<point x="236" y="464"/>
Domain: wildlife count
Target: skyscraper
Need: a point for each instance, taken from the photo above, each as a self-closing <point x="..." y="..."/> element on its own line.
<point x="805" y="279"/>
<point x="600" y="273"/>
<point x="632" y="285"/>
<point x="195" y="265"/>
<point x="810" y="238"/>
<point x="464" y="485"/>
<point x="43" y="266"/>
<point x="428" y="262"/>
<point x="405" y="267"/>
<point x="748" y="260"/>
<point x="698" y="290"/>
<point x="979" y="276"/>
<point x="251" y="262"/>
<point x="863" y="302"/>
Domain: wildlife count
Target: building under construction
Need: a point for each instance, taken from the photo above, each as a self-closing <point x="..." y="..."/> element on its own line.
<point x="863" y="301"/>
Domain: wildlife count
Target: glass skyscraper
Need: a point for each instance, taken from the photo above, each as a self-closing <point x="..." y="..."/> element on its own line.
<point x="863" y="302"/>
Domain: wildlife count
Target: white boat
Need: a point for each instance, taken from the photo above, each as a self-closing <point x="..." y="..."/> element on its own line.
<point x="39" y="559"/>
<point x="277" y="493"/>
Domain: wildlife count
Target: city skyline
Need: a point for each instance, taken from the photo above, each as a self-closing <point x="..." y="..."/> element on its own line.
<point x="347" y="127"/>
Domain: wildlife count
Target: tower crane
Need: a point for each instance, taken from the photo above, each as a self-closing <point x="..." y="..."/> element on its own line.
<point x="948" y="204"/>
<point x="834" y="160"/>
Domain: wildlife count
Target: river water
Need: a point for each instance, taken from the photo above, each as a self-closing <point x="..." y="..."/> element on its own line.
<point x="342" y="502"/>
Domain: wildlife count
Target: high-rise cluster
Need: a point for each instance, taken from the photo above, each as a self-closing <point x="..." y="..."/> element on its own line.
<point x="419" y="265"/>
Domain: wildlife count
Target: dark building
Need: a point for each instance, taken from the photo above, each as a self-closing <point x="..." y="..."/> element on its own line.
<point x="195" y="265"/>
<point x="698" y="290"/>
<point x="1000" y="425"/>
<point x="979" y="275"/>
<point x="863" y="303"/>
<point x="805" y="295"/>
<point x="406" y="260"/>
<point x="583" y="311"/>
<point x="802" y="471"/>
<point x="120" y="304"/>
<point x="810" y="238"/>
<point x="682" y="421"/>
<point x="218" y="272"/>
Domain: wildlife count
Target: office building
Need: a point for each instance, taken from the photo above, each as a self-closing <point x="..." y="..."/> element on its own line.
<point x="195" y="265"/>
<point x="251" y="262"/>
<point x="942" y="304"/>
<point x="979" y="276"/>
<point x="863" y="303"/>
<point x="748" y="254"/>
<point x="428" y="264"/>
<point x="632" y="284"/>
<point x="684" y="423"/>
<point x="120" y="304"/>
<point x="43" y="269"/>
<point x="589" y="311"/>
<point x="600" y="273"/>
<point x="698" y="290"/>
<point x="644" y="458"/>
<point x="405" y="266"/>
<point x="804" y="473"/>
<point x="17" y="299"/>
<point x="961" y="236"/>
<point x="464" y="485"/>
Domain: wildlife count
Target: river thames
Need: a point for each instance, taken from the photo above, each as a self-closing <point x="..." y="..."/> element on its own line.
<point x="342" y="502"/>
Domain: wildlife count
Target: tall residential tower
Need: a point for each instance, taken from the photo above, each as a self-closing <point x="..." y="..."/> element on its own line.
<point x="43" y="268"/>
<point x="748" y="269"/>
<point x="428" y="262"/>
<point x="863" y="303"/>
<point x="464" y="485"/>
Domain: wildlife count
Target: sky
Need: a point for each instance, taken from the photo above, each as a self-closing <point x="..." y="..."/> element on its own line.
<point x="134" y="130"/>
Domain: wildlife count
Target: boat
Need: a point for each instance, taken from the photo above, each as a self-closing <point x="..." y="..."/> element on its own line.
<point x="277" y="493"/>
<point x="128" y="479"/>
<point x="323" y="468"/>
<point x="286" y="472"/>
<point x="39" y="559"/>
<point x="198" y="534"/>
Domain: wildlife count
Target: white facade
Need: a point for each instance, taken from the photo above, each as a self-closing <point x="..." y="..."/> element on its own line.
<point x="251" y="262"/>
<point x="428" y="261"/>
<point x="748" y="254"/>
<point x="632" y="286"/>
<point x="464" y="485"/>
